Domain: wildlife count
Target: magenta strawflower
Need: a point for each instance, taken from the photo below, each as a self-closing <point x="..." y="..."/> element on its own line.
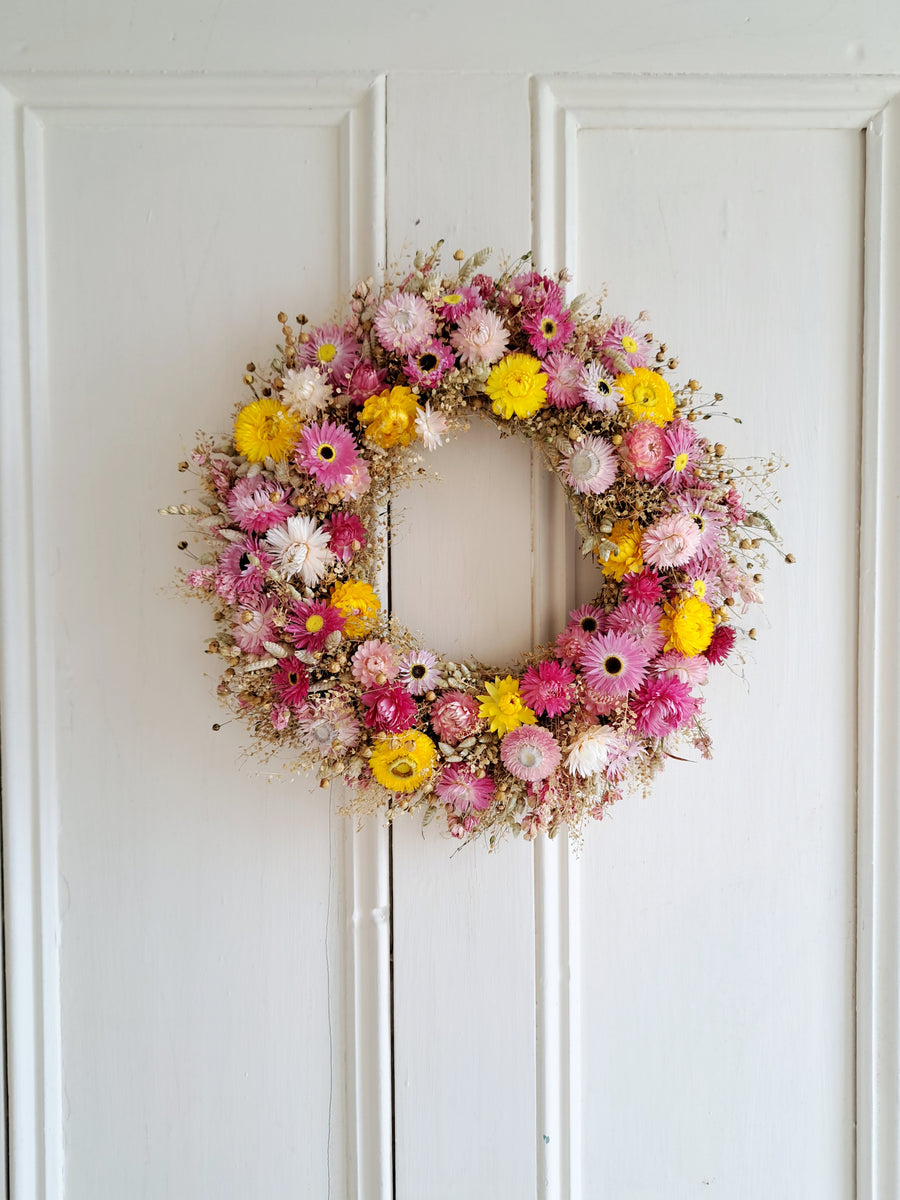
<point x="597" y="388"/>
<point x="404" y="323"/>
<point x="662" y="705"/>
<point x="309" y="624"/>
<point x="641" y="619"/>
<point x="643" y="450"/>
<point x="564" y="380"/>
<point x="389" y="709"/>
<point x="419" y="672"/>
<point x="328" y="452"/>
<point x="331" y="349"/>
<point x="548" y="329"/>
<point x="670" y="542"/>
<point x="682" y="456"/>
<point x="429" y="364"/>
<point x="365" y="380"/>
<point x="290" y="681"/>
<point x="623" y="348"/>
<point x="241" y="571"/>
<point x="530" y="753"/>
<point x="257" y="504"/>
<point x="347" y="533"/>
<point x="462" y="790"/>
<point x="374" y="663"/>
<point x="614" y="663"/>
<point x="454" y="716"/>
<point x="642" y="585"/>
<point x="254" y="625"/>
<point x="721" y="644"/>
<point x="590" y="466"/>
<point x="547" y="688"/>
<point x="484" y="286"/>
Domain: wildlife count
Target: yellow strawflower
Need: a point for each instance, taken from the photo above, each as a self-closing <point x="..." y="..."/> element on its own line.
<point x="516" y="386"/>
<point x="358" y="603"/>
<point x="688" y="626"/>
<point x="265" y="429"/>
<point x="647" y="396"/>
<point x="503" y="706"/>
<point x="628" y="558"/>
<point x="403" y="762"/>
<point x="390" y="417"/>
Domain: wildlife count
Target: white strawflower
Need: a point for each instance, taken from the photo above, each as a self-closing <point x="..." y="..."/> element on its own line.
<point x="306" y="392"/>
<point x="300" y="548"/>
<point x="431" y="427"/>
<point x="590" y="750"/>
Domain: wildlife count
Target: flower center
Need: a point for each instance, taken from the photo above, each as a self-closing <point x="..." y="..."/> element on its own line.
<point x="583" y="465"/>
<point x="612" y="665"/>
<point x="479" y="333"/>
<point x="699" y="588"/>
<point x="602" y="387"/>
<point x="269" y="428"/>
<point x="418" y="671"/>
<point x="323" y="732"/>
<point x="509" y="705"/>
<point x="644" y="395"/>
<point x="428" y="361"/>
<point x="548" y="328"/>
<point x="589" y="624"/>
<point x="314" y="623"/>
<point x="243" y="562"/>
<point x="680" y="462"/>
<point x="403" y="768"/>
<point x="395" y="422"/>
<point x="629" y="345"/>
<point x="325" y="452"/>
<point x="326" y="352"/>
<point x="529" y="756"/>
<point x="453" y="298"/>
<point x="518" y="384"/>
<point x="403" y="320"/>
<point x="293" y="678"/>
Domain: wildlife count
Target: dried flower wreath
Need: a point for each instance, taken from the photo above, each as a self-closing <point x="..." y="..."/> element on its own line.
<point x="291" y="511"/>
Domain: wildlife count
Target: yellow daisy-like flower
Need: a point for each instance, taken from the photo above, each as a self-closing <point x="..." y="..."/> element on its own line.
<point x="403" y="762"/>
<point x="390" y="417"/>
<point x="688" y="626"/>
<point x="647" y="396"/>
<point x="503" y="706"/>
<point x="517" y="386"/>
<point x="358" y="603"/>
<point x="628" y="557"/>
<point x="265" y="429"/>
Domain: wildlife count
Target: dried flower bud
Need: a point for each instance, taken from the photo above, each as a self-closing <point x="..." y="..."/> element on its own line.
<point x="459" y="255"/>
<point x="720" y="449"/>
<point x="789" y="558"/>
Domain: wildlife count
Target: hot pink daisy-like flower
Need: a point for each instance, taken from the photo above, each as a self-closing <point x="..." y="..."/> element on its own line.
<point x="364" y="380"/>
<point x="454" y="716"/>
<point x="404" y="323"/>
<point x="480" y="337"/>
<point x="309" y="624"/>
<point x="564" y="380"/>
<point x="327" y="452"/>
<point x="623" y="348"/>
<point x="670" y="542"/>
<point x="662" y="705"/>
<point x="347" y="534"/>
<point x="389" y="709"/>
<point x="461" y="789"/>
<point x="241" y="572"/>
<point x="641" y="619"/>
<point x="597" y="388"/>
<point x="290" y="681"/>
<point x="254" y="625"/>
<point x="374" y="663"/>
<point x="328" y="728"/>
<point x="614" y="663"/>
<point x="547" y="688"/>
<point x="708" y="521"/>
<point x="331" y="349"/>
<point x="643" y="450"/>
<point x="590" y="466"/>
<point x="591" y="618"/>
<point x="429" y="364"/>
<point x="682" y="455"/>
<point x="453" y="305"/>
<point x="548" y="329"/>
<point x="419" y="672"/>
<point x="721" y="644"/>
<point x="642" y="585"/>
<point x="530" y="753"/>
<point x="257" y="504"/>
<point x="692" y="671"/>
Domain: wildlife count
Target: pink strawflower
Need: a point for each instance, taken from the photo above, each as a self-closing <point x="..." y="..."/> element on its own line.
<point x="536" y="291"/>
<point x="429" y="364"/>
<point x="484" y="286"/>
<point x="309" y="624"/>
<point x="202" y="578"/>
<point x="403" y="323"/>
<point x="530" y="753"/>
<point x="547" y="688"/>
<point x="614" y="663"/>
<point x="290" y="681"/>
<point x="453" y="305"/>
<point x="709" y="521"/>
<point x="454" y="716"/>
<point x="419" y="672"/>
<point x="549" y="328"/>
<point x="736" y="509"/>
<point x="374" y="663"/>
<point x="241" y="571"/>
<point x="389" y="709"/>
<point x="590" y="466"/>
<point x="596" y="388"/>
<point x="703" y="580"/>
<point x="331" y="349"/>
<point x="682" y="456"/>
<point x="221" y="472"/>
<point x="254" y="625"/>
<point x="662" y="705"/>
<point x="641" y="619"/>
<point x="642" y="585"/>
<point x="564" y="380"/>
<point x="692" y="671"/>
<point x="623" y="347"/>
<point x="670" y="542"/>
<point x="643" y="450"/>
<point x="622" y="753"/>
<point x="328" y="452"/>
<point x="365" y="380"/>
<point x="480" y="337"/>
<point x="328" y="729"/>
<point x="571" y="642"/>
<point x="347" y="534"/>
<point x="721" y="644"/>
<point x="462" y="790"/>
<point x="357" y="480"/>
<point x="592" y="618"/>
<point x="256" y="504"/>
<point x="280" y="716"/>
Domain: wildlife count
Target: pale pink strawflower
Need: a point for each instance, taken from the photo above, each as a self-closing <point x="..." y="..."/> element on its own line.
<point x="590" y="466"/>
<point x="241" y="570"/>
<point x="531" y="753"/>
<point x="403" y="323"/>
<point x="641" y="619"/>
<point x="462" y="790"/>
<point x="670" y="542"/>
<point x="254" y="625"/>
<point x="357" y="480"/>
<point x="692" y="671"/>
<point x="454" y="716"/>
<point x="280" y="716"/>
<point x="643" y="450"/>
<point x="202" y="578"/>
<point x="662" y="705"/>
<point x="419" y="672"/>
<point x="257" y="504"/>
<point x="597" y="388"/>
<point x="614" y="663"/>
<point x="430" y="426"/>
<point x="328" y="729"/>
<point x="682" y="456"/>
<point x="564" y="379"/>
<point x="374" y="663"/>
<point x="480" y="337"/>
<point x="547" y="688"/>
<point x="709" y="521"/>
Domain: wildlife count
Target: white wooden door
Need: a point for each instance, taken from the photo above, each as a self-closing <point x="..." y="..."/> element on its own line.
<point x="216" y="985"/>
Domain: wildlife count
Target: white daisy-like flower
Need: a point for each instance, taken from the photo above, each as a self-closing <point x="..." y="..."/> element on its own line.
<point x="590" y="466"/>
<point x="590" y="750"/>
<point x="300" y="547"/>
<point x="431" y="427"/>
<point x="597" y="388"/>
<point x="480" y="337"/>
<point x="307" y="391"/>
